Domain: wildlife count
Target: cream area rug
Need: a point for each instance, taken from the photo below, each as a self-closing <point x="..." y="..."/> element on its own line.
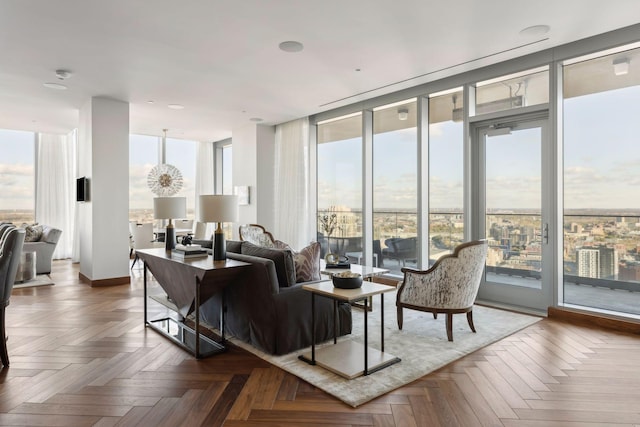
<point x="39" y="280"/>
<point x="421" y="345"/>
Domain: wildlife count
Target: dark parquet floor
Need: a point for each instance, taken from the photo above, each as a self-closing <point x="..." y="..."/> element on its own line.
<point x="81" y="356"/>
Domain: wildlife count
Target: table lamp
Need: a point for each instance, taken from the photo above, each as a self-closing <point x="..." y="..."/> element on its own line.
<point x="169" y="208"/>
<point x="218" y="208"/>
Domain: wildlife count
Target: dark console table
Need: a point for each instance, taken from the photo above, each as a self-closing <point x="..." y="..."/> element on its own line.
<point x="188" y="284"/>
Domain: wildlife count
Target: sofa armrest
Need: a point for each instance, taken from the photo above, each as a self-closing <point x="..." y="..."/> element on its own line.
<point x="50" y="235"/>
<point x="264" y="270"/>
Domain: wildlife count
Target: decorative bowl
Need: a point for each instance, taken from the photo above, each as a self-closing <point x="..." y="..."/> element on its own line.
<point x="347" y="280"/>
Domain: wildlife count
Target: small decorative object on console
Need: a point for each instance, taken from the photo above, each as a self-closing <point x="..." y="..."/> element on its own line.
<point x="188" y="251"/>
<point x="347" y="280"/>
<point x="182" y="255"/>
<point x="186" y="240"/>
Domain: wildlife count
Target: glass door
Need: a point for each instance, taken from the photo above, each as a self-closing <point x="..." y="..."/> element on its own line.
<point x="512" y="211"/>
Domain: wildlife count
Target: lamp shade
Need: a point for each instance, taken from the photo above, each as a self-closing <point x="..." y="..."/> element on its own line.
<point x="169" y="207"/>
<point x="218" y="208"/>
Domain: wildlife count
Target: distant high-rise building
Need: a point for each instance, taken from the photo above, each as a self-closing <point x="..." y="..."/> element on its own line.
<point x="588" y="263"/>
<point x="608" y="262"/>
<point x="598" y="263"/>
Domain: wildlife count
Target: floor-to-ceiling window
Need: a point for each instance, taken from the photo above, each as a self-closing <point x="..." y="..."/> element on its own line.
<point x="340" y="185"/>
<point x="395" y="187"/>
<point x="227" y="169"/>
<point x="17" y="176"/>
<point x="557" y="134"/>
<point x="224" y="176"/>
<point x="602" y="181"/>
<point x="143" y="156"/>
<point x="182" y="154"/>
<point x="145" y="152"/>
<point x="446" y="173"/>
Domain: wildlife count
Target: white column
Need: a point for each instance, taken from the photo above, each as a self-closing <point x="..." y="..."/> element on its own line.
<point x="253" y="160"/>
<point x="103" y="157"/>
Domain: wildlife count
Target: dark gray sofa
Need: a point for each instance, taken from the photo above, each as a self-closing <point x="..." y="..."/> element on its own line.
<point x="273" y="318"/>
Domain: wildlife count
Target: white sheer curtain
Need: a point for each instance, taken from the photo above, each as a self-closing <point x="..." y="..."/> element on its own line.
<point x="55" y="187"/>
<point x="292" y="183"/>
<point x="204" y="176"/>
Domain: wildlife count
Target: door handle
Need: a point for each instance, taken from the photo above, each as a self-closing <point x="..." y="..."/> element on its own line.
<point x="545" y="233"/>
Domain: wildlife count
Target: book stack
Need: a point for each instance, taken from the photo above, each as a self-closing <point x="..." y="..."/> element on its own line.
<point x="183" y="252"/>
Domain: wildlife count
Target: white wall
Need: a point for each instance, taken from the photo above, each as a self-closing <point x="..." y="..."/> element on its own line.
<point x="253" y="160"/>
<point x="85" y="209"/>
<point x="104" y="159"/>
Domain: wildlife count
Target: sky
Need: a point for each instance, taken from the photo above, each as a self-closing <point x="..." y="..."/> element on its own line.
<point x="16" y="170"/>
<point x="601" y="162"/>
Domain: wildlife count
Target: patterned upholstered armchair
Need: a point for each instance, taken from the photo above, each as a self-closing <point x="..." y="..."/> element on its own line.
<point x="450" y="286"/>
<point x="257" y="234"/>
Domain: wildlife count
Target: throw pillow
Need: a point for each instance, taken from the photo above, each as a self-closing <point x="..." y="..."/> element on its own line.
<point x="278" y="244"/>
<point x="307" y="263"/>
<point x="282" y="258"/>
<point x="33" y="232"/>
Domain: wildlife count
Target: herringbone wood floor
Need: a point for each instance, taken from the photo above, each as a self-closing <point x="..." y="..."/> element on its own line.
<point x="81" y="356"/>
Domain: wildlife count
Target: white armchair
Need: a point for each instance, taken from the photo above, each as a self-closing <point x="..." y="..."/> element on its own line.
<point x="44" y="248"/>
<point x="450" y="286"/>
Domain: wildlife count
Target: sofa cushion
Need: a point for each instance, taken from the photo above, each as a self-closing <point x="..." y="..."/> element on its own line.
<point x="282" y="258"/>
<point x="33" y="232"/>
<point x="307" y="262"/>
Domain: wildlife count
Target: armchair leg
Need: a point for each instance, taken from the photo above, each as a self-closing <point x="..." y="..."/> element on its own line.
<point x="400" y="318"/>
<point x="4" y="354"/>
<point x="435" y="314"/>
<point x="470" y="320"/>
<point x="134" y="261"/>
<point x="450" y="326"/>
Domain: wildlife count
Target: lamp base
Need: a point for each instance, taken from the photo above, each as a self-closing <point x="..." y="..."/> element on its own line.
<point x="170" y="238"/>
<point x="219" y="247"/>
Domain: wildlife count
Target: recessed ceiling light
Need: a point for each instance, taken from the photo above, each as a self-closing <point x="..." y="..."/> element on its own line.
<point x="149" y="102"/>
<point x="357" y="69"/>
<point x="535" y="30"/>
<point x="176" y="106"/>
<point x="63" y="74"/>
<point x="56" y="86"/>
<point x="291" y="46"/>
<point x="255" y="119"/>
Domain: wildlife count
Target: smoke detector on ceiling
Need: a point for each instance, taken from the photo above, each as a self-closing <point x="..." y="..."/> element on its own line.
<point x="63" y="74"/>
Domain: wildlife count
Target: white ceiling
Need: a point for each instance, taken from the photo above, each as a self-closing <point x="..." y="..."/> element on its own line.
<point x="220" y="59"/>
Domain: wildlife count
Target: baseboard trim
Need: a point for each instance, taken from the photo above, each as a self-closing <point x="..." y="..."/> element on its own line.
<point x="114" y="281"/>
<point x="573" y="315"/>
